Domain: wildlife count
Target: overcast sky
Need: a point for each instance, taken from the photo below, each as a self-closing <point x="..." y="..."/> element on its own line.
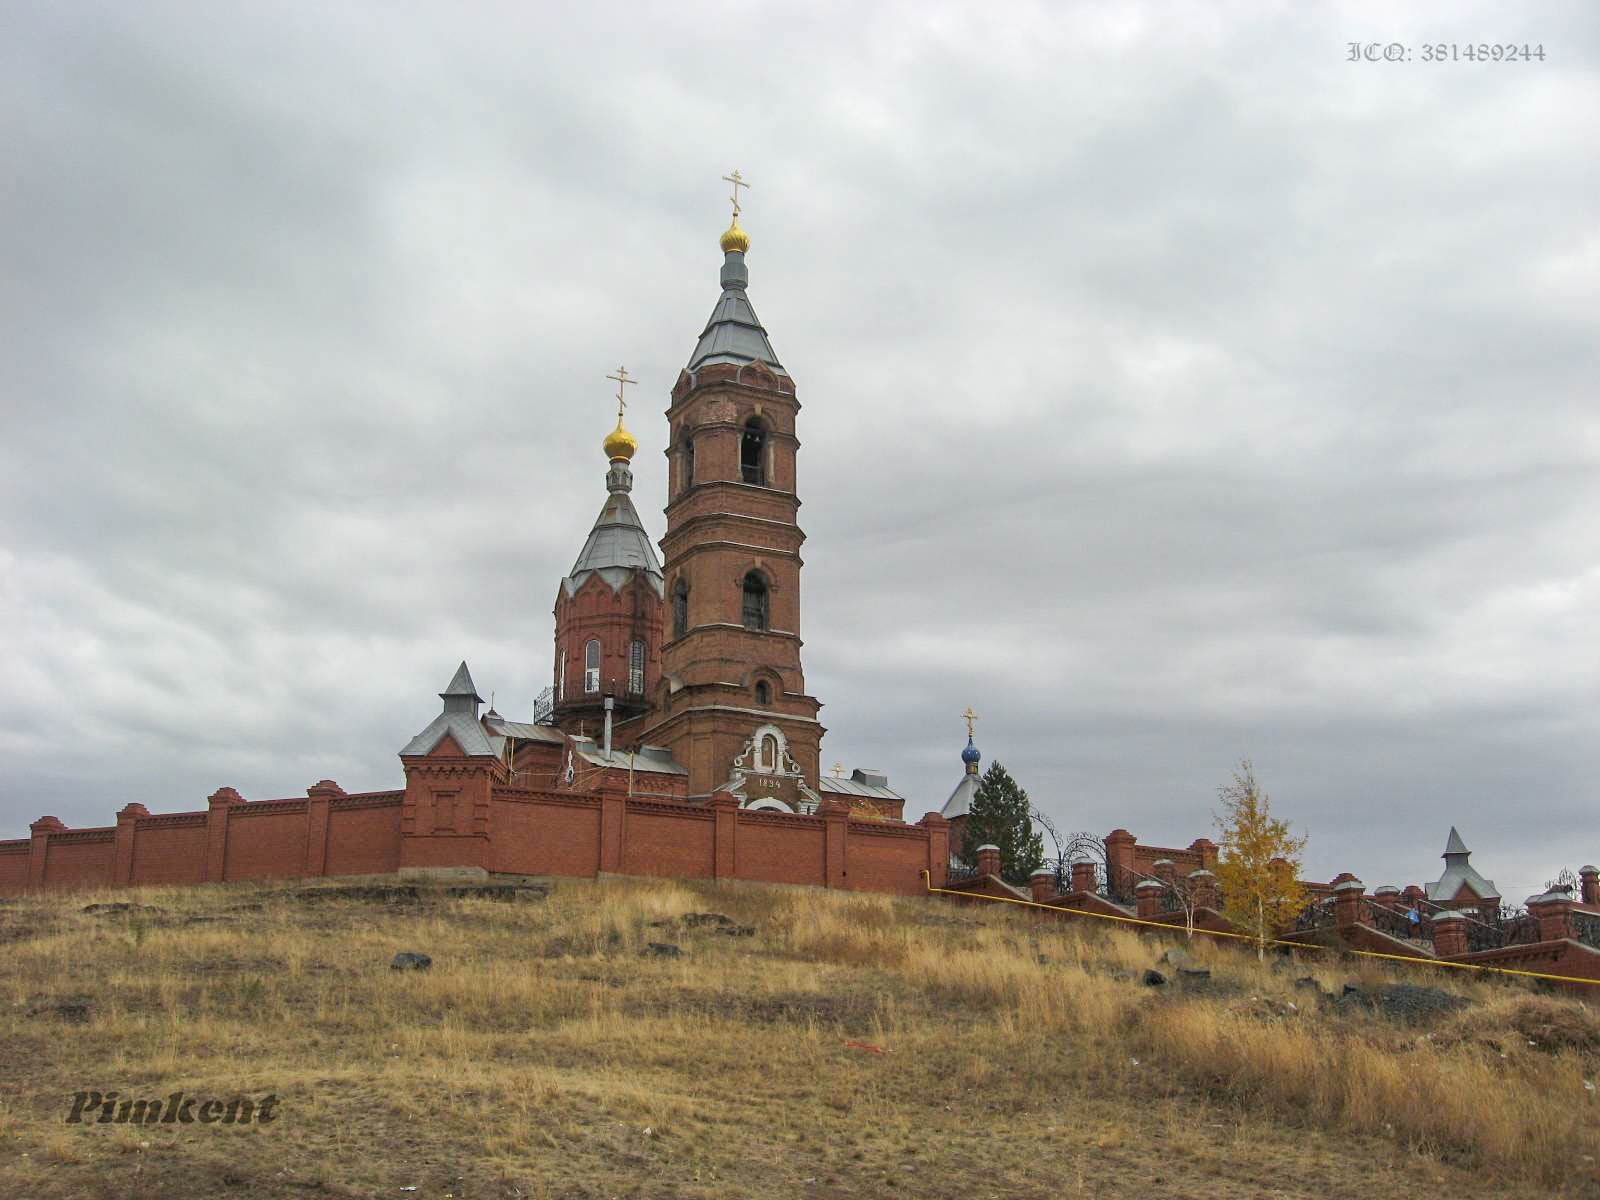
<point x="1174" y="391"/>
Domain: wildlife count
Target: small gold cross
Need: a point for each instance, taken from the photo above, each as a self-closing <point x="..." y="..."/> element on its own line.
<point x="838" y="769"/>
<point x="971" y="717"/>
<point x="738" y="182"/>
<point x="622" y="381"/>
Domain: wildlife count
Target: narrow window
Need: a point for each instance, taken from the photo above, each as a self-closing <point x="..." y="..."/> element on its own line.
<point x="591" y="666"/>
<point x="763" y="692"/>
<point x="755" y="602"/>
<point x="688" y="461"/>
<point x="769" y="753"/>
<point x="680" y="608"/>
<point x="753" y="452"/>
<point x="561" y="678"/>
<point x="636" y="668"/>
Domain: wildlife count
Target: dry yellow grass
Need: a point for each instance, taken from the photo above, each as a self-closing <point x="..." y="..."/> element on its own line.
<point x="546" y="1055"/>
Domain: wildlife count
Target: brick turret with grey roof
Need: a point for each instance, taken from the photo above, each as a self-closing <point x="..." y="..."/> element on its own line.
<point x="459" y="720"/>
<point x="1459" y="873"/>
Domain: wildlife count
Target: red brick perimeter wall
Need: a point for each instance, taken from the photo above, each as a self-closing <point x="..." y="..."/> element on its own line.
<point x="528" y="832"/>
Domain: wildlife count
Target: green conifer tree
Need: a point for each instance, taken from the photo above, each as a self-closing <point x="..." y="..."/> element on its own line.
<point x="1000" y="817"/>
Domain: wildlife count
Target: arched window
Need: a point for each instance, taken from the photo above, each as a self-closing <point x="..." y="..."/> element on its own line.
<point x="688" y="461"/>
<point x="561" y="677"/>
<point x="591" y="666"/>
<point x="763" y="692"/>
<point x="680" y="608"/>
<point x="753" y="452"/>
<point x="769" y="753"/>
<point x="636" y="669"/>
<point x="756" y="609"/>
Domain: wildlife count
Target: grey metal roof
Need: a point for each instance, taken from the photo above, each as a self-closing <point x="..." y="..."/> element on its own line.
<point x="1458" y="871"/>
<point x="734" y="333"/>
<point x="647" y="758"/>
<point x="461" y="684"/>
<point x="523" y="731"/>
<point x="960" y="802"/>
<point x="860" y="783"/>
<point x="617" y="543"/>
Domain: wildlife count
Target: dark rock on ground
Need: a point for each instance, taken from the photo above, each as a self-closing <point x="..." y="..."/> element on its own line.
<point x="716" y="922"/>
<point x="73" y="1011"/>
<point x="1307" y="984"/>
<point x="121" y="906"/>
<point x="382" y="893"/>
<point x="408" y="960"/>
<point x="1194" y="974"/>
<point x="1406" y="1002"/>
<point x="663" y="950"/>
<point x="1154" y="978"/>
<point x="499" y="891"/>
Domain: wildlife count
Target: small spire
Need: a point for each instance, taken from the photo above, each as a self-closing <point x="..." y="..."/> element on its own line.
<point x="1454" y="845"/>
<point x="461" y="684"/>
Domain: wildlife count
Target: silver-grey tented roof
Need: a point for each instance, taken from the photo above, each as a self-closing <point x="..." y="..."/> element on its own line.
<point x="734" y="334"/>
<point x="618" y="543"/>
<point x="1458" y="871"/>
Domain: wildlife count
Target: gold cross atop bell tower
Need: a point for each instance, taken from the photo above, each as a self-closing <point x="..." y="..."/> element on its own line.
<point x="971" y="717"/>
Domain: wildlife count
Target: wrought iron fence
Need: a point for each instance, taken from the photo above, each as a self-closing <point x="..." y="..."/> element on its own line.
<point x="1316" y="915"/>
<point x="1408" y="924"/>
<point x="1586" y="928"/>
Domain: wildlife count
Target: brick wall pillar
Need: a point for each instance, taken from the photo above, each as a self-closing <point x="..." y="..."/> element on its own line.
<point x="39" y="847"/>
<point x="1148" y="895"/>
<point x="1120" y="848"/>
<point x="836" y="831"/>
<point x="1554" y="911"/>
<point x="1165" y="870"/>
<point x="938" y="849"/>
<point x="127" y="822"/>
<point x="217" y="806"/>
<point x="1203" y="889"/>
<point x="1449" y="934"/>
<point x="1207" y="850"/>
<point x="1388" y="896"/>
<point x="1042" y="884"/>
<point x="1349" y="903"/>
<point x="1083" y="879"/>
<point x="725" y="814"/>
<point x="989" y="859"/>
<point x="613" y="815"/>
<point x="320" y="797"/>
<point x="1590" y="883"/>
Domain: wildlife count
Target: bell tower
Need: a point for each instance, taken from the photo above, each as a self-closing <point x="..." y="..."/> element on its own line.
<point x="732" y="703"/>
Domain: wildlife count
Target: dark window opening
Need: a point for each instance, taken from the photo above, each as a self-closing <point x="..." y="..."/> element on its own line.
<point x="763" y="692"/>
<point x="753" y="452"/>
<point x="591" y="666"/>
<point x="636" y="668"/>
<point x="688" y="461"/>
<point x="756" y="609"/>
<point x="680" y="609"/>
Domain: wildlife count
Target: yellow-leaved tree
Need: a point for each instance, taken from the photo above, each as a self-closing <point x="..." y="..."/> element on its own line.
<point x="1258" y="866"/>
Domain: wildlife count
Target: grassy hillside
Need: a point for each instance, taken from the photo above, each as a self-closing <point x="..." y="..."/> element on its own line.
<point x="848" y="1046"/>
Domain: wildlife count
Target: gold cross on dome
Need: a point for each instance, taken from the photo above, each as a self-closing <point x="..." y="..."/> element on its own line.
<point x="971" y="717"/>
<point x="838" y="769"/>
<point x="738" y="182"/>
<point x="622" y="381"/>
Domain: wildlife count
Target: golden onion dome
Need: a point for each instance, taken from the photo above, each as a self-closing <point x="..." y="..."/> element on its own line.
<point x="620" y="443"/>
<point x="735" y="238"/>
